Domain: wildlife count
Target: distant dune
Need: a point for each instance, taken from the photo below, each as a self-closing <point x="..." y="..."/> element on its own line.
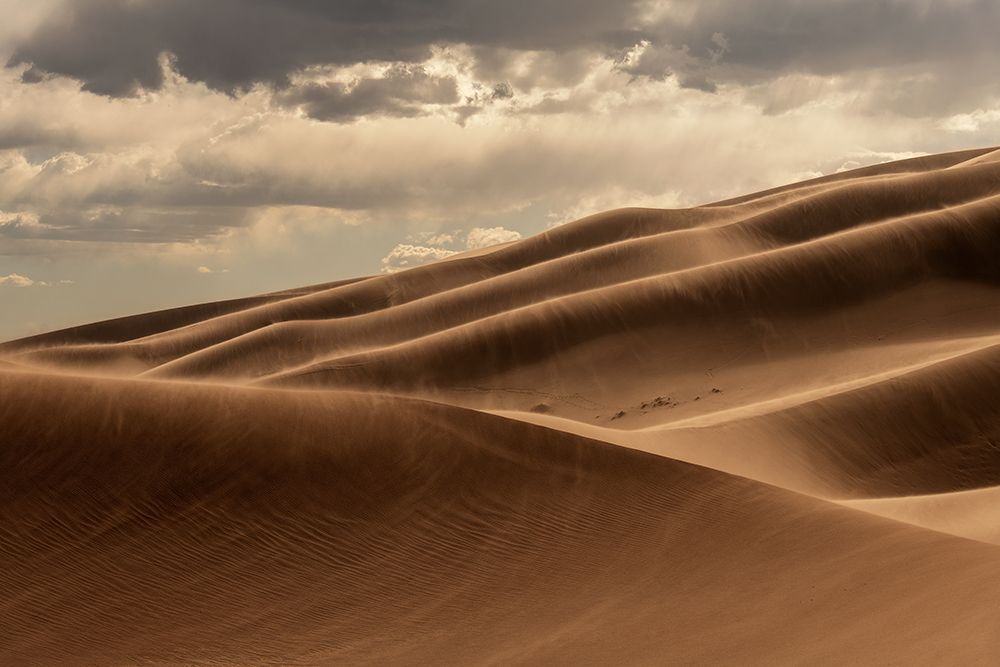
<point x="762" y="431"/>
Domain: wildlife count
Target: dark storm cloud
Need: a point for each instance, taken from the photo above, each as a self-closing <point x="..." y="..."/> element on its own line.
<point x="190" y="164"/>
<point x="113" y="45"/>
<point x="948" y="47"/>
<point x="32" y="75"/>
<point x="833" y="36"/>
<point x="401" y="92"/>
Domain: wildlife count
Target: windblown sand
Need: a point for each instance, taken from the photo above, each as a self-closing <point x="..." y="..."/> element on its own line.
<point x="762" y="431"/>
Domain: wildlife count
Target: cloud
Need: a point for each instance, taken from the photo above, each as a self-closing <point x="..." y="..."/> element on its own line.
<point x="114" y="224"/>
<point x="657" y="62"/>
<point x="568" y="108"/>
<point x="20" y="19"/>
<point x="191" y="182"/>
<point x="33" y="75"/>
<point x="916" y="56"/>
<point x="205" y="269"/>
<point x="406" y="256"/>
<point x="16" y="280"/>
<point x="972" y="121"/>
<point x="481" y="98"/>
<point x="402" y="91"/>
<point x="541" y="69"/>
<point x="113" y="46"/>
<point x="478" y="237"/>
<point x="920" y="57"/>
<point x="53" y="116"/>
<point x="435" y="239"/>
<point x="502" y="91"/>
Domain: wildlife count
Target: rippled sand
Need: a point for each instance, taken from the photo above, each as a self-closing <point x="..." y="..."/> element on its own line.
<point x="762" y="431"/>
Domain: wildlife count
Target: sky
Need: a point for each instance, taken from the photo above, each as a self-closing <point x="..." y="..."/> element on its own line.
<point x="156" y="153"/>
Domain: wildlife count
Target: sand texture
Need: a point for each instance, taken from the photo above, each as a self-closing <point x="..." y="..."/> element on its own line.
<point x="761" y="431"/>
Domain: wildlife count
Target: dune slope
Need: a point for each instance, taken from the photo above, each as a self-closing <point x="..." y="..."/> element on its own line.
<point x="760" y="431"/>
<point x="218" y="523"/>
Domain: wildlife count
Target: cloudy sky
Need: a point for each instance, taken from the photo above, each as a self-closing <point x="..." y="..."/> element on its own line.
<point x="163" y="152"/>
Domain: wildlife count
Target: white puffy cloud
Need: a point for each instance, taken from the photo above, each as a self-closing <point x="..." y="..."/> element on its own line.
<point x="479" y="237"/>
<point x="432" y="246"/>
<point x="441" y="239"/>
<point x="972" y="121"/>
<point x="406" y="256"/>
<point x="16" y="280"/>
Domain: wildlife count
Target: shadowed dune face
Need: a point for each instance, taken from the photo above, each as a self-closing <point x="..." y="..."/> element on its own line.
<point x="762" y="428"/>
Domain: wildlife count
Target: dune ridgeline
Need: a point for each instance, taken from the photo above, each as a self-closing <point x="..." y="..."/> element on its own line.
<point x="761" y="431"/>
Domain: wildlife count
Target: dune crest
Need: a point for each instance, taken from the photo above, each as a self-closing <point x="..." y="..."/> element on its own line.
<point x="762" y="430"/>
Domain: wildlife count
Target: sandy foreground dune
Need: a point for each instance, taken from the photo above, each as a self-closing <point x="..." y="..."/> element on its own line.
<point x="762" y="431"/>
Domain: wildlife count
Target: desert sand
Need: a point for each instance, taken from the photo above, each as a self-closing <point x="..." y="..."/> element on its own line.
<point x="760" y="431"/>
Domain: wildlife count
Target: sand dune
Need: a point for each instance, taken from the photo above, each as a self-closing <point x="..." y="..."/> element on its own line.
<point x="973" y="514"/>
<point x="760" y="431"/>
